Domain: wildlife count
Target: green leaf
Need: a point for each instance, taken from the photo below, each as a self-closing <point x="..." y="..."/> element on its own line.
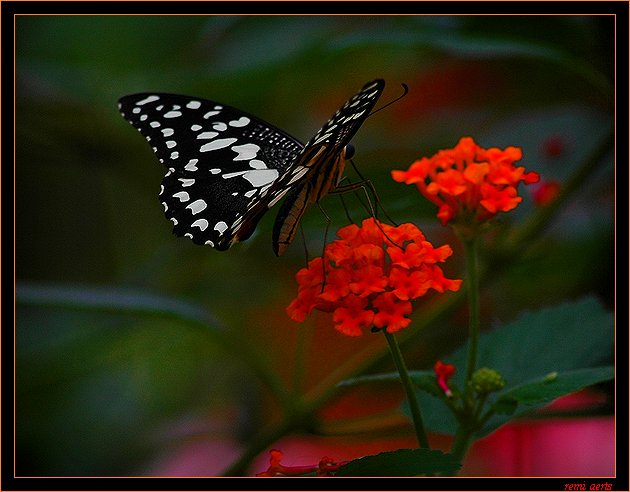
<point x="121" y="300"/>
<point x="387" y="377"/>
<point x="401" y="463"/>
<point x="113" y="299"/>
<point x="550" y="387"/>
<point x="569" y="337"/>
<point x="424" y="380"/>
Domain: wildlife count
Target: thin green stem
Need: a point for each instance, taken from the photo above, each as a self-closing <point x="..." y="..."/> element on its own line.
<point x="463" y="438"/>
<point x="472" y="277"/>
<point x="409" y="390"/>
<point x="464" y="434"/>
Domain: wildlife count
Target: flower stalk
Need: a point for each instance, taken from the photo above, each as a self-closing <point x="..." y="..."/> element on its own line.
<point x="414" y="406"/>
<point x="472" y="276"/>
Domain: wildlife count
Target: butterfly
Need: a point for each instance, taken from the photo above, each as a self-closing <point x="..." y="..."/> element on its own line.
<point x="226" y="168"/>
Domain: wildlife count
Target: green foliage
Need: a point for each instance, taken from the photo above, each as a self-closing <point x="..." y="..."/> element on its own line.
<point x="573" y="339"/>
<point x="401" y="463"/>
<point x="546" y="389"/>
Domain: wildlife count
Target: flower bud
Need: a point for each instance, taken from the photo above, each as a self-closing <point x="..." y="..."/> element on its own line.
<point x="486" y="381"/>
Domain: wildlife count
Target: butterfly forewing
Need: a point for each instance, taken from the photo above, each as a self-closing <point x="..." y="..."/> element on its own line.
<point x="342" y="125"/>
<point x="221" y="162"/>
<point x="226" y="168"/>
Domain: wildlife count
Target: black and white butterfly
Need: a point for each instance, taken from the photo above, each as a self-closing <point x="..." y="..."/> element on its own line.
<point x="226" y="168"/>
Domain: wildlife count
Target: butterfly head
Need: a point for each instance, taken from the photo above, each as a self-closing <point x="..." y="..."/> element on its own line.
<point x="349" y="151"/>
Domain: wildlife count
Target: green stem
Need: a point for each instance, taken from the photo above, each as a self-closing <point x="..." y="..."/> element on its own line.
<point x="472" y="277"/>
<point x="463" y="438"/>
<point x="409" y="390"/>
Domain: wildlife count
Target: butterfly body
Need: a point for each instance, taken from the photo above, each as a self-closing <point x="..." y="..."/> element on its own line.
<point x="226" y="168"/>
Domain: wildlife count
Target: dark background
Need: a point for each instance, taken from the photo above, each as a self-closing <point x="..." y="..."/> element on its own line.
<point x="109" y="393"/>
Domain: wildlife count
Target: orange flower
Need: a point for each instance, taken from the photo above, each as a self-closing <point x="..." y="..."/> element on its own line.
<point x="546" y="193"/>
<point x="469" y="181"/>
<point x="444" y="372"/>
<point x="372" y="273"/>
<point x="325" y="468"/>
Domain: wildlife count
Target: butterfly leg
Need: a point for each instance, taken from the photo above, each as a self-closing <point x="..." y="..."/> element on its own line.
<point x="374" y="193"/>
<point x="363" y="185"/>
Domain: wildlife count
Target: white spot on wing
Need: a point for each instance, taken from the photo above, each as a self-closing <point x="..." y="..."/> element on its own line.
<point x="232" y="175"/>
<point x="193" y="105"/>
<point x="261" y="177"/>
<point x="219" y="126"/>
<point x="197" y="206"/>
<point x="245" y="152"/>
<point x="298" y="172"/>
<point x="209" y="114"/>
<point x="167" y="132"/>
<point x="323" y="137"/>
<point x="182" y="195"/>
<point x="186" y="182"/>
<point x="201" y="223"/>
<point x="278" y="197"/>
<point x="195" y="128"/>
<point x="147" y="100"/>
<point x="192" y="165"/>
<point x="242" y="121"/>
<point x="257" y="164"/>
<point x="172" y="114"/>
<point x="206" y="135"/>
<point x="217" y="144"/>
<point x="221" y="227"/>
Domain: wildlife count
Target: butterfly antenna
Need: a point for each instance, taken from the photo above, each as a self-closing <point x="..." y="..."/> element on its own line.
<point x="405" y="92"/>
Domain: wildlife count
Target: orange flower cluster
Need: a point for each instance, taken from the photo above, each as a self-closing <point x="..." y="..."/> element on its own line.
<point x="369" y="277"/>
<point x="468" y="181"/>
<point x="324" y="468"/>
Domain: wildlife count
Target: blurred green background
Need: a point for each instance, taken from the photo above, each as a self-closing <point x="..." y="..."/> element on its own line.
<point x="102" y="392"/>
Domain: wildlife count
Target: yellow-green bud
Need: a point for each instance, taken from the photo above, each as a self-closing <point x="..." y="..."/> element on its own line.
<point x="486" y="380"/>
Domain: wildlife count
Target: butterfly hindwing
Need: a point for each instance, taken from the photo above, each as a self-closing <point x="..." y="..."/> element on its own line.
<point x="221" y="163"/>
